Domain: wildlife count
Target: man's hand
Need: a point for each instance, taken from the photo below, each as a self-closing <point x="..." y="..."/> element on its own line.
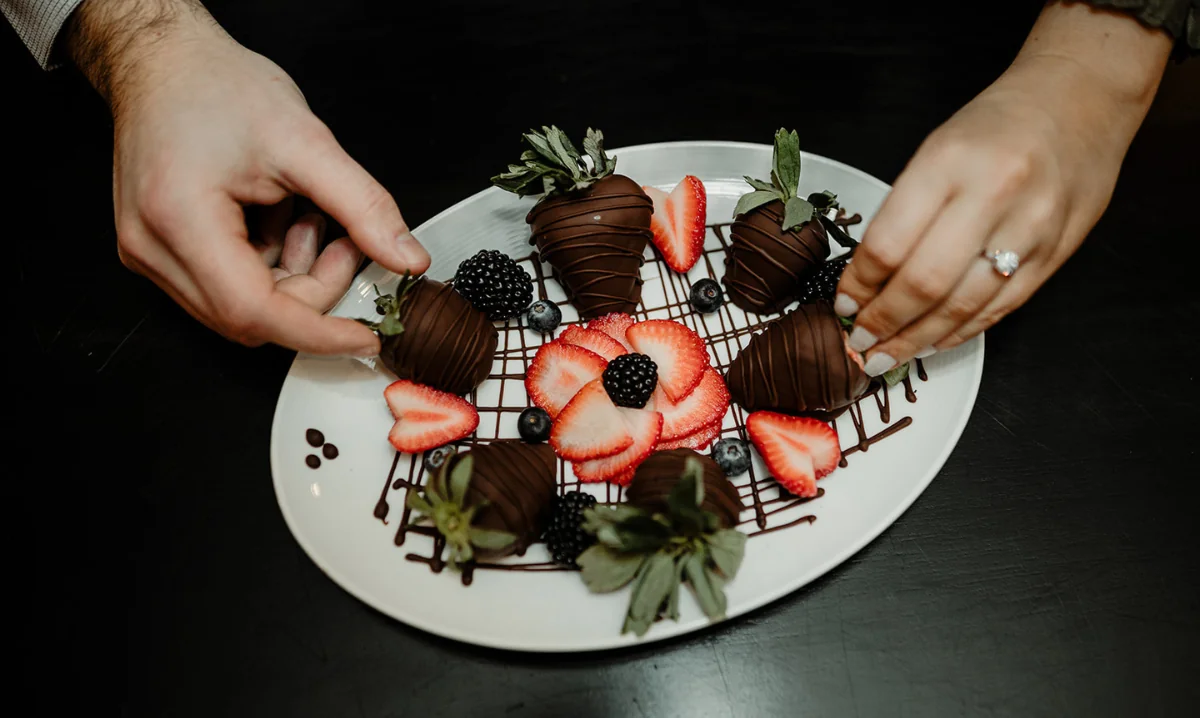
<point x="204" y="127"/>
<point x="1027" y="166"/>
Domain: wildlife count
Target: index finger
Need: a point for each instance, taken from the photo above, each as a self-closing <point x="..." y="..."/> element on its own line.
<point x="316" y="166"/>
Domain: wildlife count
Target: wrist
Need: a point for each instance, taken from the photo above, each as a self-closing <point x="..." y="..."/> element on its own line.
<point x="113" y="42"/>
<point x="1108" y="54"/>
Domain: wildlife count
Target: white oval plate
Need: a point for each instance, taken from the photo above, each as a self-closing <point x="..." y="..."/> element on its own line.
<point x="330" y="509"/>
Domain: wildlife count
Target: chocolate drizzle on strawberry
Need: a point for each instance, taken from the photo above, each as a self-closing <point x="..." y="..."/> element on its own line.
<point x="595" y="240"/>
<point x="799" y="364"/>
<point x="445" y="342"/>
<point x="765" y="263"/>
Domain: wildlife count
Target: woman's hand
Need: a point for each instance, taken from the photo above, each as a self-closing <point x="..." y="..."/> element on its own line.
<point x="205" y="127"/>
<point x="1028" y="166"/>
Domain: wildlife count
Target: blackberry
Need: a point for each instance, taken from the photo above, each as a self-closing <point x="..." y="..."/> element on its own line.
<point x="630" y="379"/>
<point x="434" y="458"/>
<point x="494" y="284"/>
<point x="706" y="296"/>
<point x="543" y="316"/>
<point x="565" y="536"/>
<point x="823" y="281"/>
<point x="534" y="425"/>
<point x="732" y="455"/>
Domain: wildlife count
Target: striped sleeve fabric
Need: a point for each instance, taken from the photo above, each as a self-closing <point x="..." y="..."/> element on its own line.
<point x="38" y="23"/>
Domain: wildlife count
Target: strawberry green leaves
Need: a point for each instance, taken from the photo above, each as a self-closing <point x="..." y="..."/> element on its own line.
<point x="554" y="165"/>
<point x="657" y="553"/>
<point x="443" y="502"/>
<point x="785" y="180"/>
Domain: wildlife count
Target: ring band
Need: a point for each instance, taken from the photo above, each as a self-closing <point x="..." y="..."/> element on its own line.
<point x="1004" y="261"/>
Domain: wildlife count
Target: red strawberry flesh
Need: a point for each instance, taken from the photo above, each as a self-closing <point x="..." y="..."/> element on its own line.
<point x="645" y="427"/>
<point x="557" y="373"/>
<point x="427" y="418"/>
<point x="614" y="325"/>
<point x="678" y="222"/>
<point x="678" y="351"/>
<point x="593" y="340"/>
<point x="704" y="405"/>
<point x="590" y="426"/>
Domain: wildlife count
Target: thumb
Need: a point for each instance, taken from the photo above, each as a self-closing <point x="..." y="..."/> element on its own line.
<point x="318" y="168"/>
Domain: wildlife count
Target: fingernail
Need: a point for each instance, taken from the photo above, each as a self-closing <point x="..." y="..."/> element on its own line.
<point x="844" y="305"/>
<point x="927" y="351"/>
<point x="861" y="339"/>
<point x="411" y="252"/>
<point x="367" y="351"/>
<point x="878" y="364"/>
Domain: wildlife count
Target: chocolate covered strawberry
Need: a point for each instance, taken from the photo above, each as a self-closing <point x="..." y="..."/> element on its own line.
<point x="431" y="334"/>
<point x="777" y="237"/>
<point x="591" y="225"/>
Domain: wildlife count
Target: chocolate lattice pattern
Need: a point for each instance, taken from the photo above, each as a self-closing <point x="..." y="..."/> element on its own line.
<point x="664" y="296"/>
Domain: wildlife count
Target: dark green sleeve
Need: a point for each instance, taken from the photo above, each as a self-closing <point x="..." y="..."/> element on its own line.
<point x="1180" y="18"/>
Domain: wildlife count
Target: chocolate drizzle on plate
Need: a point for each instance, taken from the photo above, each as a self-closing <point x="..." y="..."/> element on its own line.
<point x="767" y="508"/>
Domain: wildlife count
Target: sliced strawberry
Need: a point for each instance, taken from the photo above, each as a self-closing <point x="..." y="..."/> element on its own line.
<point x="557" y="373"/>
<point x="590" y="426"/>
<point x="614" y="325"/>
<point x="678" y="351"/>
<point x="678" y="222"/>
<point x="797" y="450"/>
<point x="699" y="440"/>
<point x="704" y="405"/>
<point x="645" y="427"/>
<point x="624" y="479"/>
<point x="593" y="340"/>
<point x="427" y="418"/>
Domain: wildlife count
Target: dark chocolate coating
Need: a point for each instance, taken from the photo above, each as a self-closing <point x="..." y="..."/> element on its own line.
<point x="798" y="364"/>
<point x="764" y="265"/>
<point x="517" y="480"/>
<point x="657" y="476"/>
<point x="595" y="240"/>
<point x="446" y="343"/>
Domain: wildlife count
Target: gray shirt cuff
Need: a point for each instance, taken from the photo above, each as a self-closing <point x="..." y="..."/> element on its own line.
<point x="38" y="23"/>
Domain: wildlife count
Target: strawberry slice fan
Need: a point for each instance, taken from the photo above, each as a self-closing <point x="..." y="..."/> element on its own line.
<point x="606" y="442"/>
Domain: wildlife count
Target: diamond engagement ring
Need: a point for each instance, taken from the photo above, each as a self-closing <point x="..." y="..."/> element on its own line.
<point x="1005" y="262"/>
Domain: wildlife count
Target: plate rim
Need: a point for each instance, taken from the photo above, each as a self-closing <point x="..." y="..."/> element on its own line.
<point x="665" y="631"/>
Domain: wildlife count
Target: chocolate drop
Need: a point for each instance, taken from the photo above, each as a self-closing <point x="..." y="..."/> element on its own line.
<point x="313" y="461"/>
<point x="799" y="364"/>
<point x="446" y="343"/>
<point x="595" y="240"/>
<point x="314" y="437"/>
<point x="657" y="476"/>
<point x="764" y="265"/>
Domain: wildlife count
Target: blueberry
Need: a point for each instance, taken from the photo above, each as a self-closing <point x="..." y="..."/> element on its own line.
<point x="707" y="296"/>
<point x="534" y="425"/>
<point x="436" y="457"/>
<point x="732" y="455"/>
<point x="543" y="316"/>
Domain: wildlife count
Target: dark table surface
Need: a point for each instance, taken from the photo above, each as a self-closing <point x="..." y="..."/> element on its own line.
<point x="1053" y="567"/>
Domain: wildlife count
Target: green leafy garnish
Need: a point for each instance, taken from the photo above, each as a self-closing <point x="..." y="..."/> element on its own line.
<point x="785" y="180"/>
<point x="443" y="501"/>
<point x="554" y="165"/>
<point x="389" y="306"/>
<point x="897" y="374"/>
<point x="657" y="553"/>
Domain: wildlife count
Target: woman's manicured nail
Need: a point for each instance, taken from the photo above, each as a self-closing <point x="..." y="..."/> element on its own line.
<point x="861" y="339"/>
<point x="878" y="364"/>
<point x="367" y="352"/>
<point x="926" y="352"/>
<point x="411" y="252"/>
<point x="845" y="306"/>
